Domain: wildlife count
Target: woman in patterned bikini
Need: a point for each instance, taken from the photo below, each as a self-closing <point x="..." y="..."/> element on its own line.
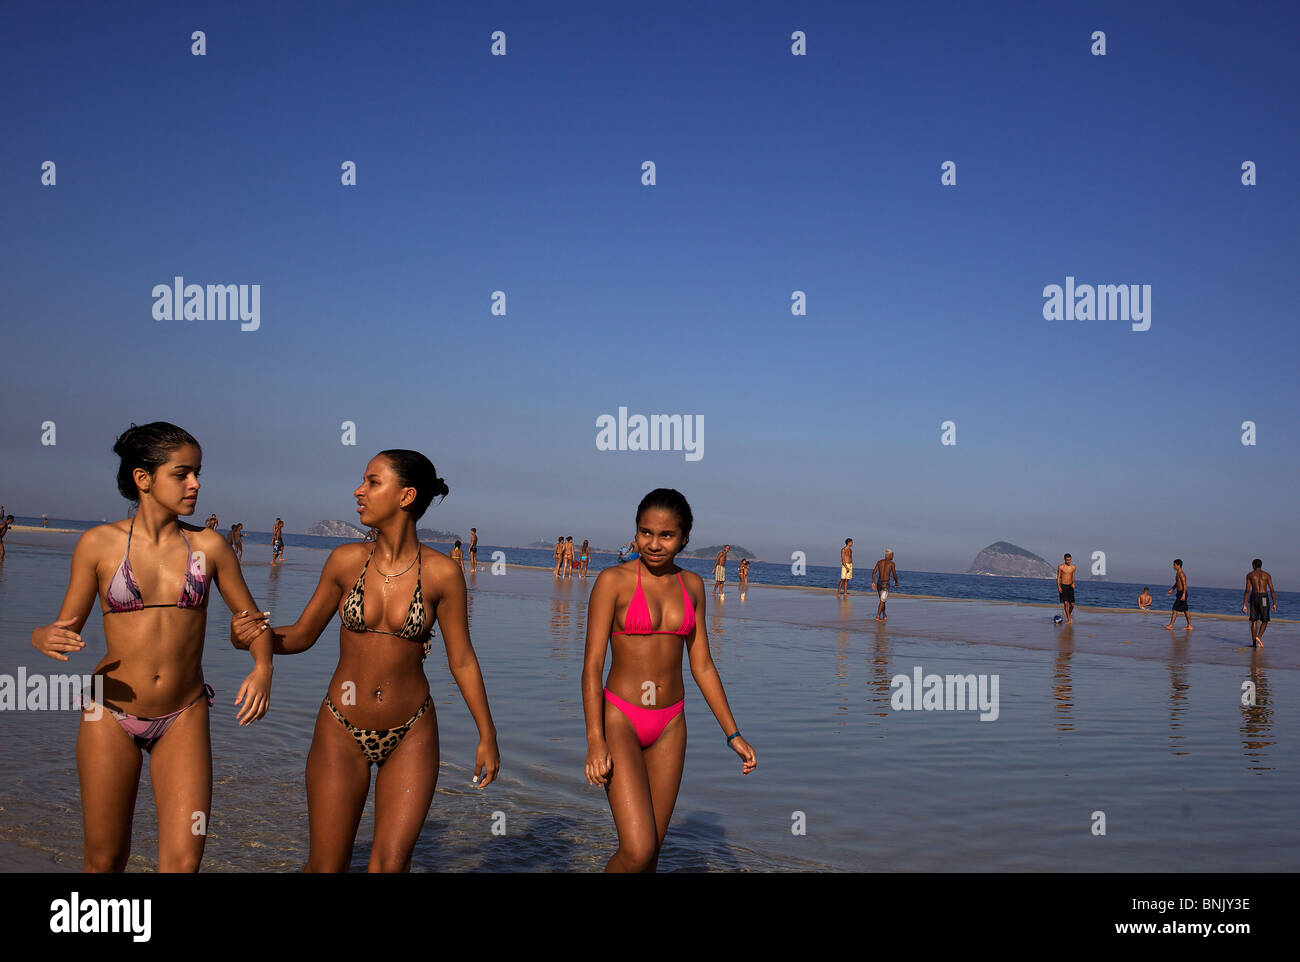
<point x="378" y="709"/>
<point x="634" y="748"/>
<point x="152" y="672"/>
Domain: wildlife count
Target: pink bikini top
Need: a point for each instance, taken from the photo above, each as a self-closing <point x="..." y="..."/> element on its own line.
<point x="124" y="594"/>
<point x="636" y="620"/>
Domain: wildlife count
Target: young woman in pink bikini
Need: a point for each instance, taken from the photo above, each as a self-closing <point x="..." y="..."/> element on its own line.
<point x="648" y="613"/>
<point x="152" y="672"/>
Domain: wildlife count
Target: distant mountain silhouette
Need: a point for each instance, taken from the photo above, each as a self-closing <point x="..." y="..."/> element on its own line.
<point x="335" y="529"/>
<point x="1007" y="560"/>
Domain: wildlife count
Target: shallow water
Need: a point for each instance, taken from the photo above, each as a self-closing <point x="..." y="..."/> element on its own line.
<point x="1113" y="715"/>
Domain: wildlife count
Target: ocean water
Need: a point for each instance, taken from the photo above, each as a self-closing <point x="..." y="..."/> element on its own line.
<point x="1114" y="715"/>
<point x="1089" y="593"/>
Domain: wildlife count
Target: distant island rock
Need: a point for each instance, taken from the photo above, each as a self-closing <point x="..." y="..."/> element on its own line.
<point x="711" y="552"/>
<point x="336" y="529"/>
<point x="1006" y="560"/>
<point x="433" y="534"/>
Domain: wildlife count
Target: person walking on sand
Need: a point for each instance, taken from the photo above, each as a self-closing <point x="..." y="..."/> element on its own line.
<point x="846" y="568"/>
<point x="1065" y="588"/>
<point x="1259" y="585"/>
<point x="1179" y="591"/>
<point x="880" y="575"/>
<point x="1144" y="600"/>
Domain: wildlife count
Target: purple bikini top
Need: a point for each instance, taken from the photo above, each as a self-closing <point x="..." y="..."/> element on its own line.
<point x="124" y="594"/>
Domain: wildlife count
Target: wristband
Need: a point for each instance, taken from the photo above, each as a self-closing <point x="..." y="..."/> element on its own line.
<point x="730" y="737"/>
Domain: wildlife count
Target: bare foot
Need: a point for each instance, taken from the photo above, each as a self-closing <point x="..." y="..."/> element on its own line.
<point x="1169" y="627"/>
<point x="1189" y="627"/>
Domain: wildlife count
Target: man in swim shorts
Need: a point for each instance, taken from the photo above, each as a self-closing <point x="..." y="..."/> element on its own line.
<point x="880" y="575"/>
<point x="1065" y="588"/>
<point x="1179" y="591"/>
<point x="277" y="541"/>
<point x="1259" y="586"/>
<point x="720" y="570"/>
<point x="473" y="550"/>
<point x="846" y="569"/>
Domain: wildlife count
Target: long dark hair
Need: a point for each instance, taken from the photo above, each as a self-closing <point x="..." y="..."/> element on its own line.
<point x="147" y="446"/>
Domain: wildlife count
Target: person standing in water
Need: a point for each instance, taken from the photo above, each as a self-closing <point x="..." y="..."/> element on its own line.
<point x="211" y="522"/>
<point x="846" y="568"/>
<point x="473" y="550"/>
<point x="1065" y="587"/>
<point x="5" y="524"/>
<point x="559" y="554"/>
<point x="636" y="730"/>
<point x="150" y="679"/>
<point x="236" y="540"/>
<point x="720" y="570"/>
<point x="1259" y="585"/>
<point x="1144" y="600"/>
<point x="1179" y="591"/>
<point x="380" y="682"/>
<point x="584" y="557"/>
<point x="880" y="576"/>
<point x="277" y="542"/>
<point x="458" y="557"/>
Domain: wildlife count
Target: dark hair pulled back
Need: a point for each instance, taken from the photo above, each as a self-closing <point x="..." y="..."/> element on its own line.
<point x="414" y="470"/>
<point x="670" y="499"/>
<point x="147" y="446"/>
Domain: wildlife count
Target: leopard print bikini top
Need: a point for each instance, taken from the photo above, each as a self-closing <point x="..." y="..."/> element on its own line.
<point x="412" y="629"/>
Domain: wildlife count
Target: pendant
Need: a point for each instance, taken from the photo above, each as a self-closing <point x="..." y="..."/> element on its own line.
<point x="379" y="693"/>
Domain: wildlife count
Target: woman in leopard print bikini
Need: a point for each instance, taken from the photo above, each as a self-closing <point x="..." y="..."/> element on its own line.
<point x="378" y="708"/>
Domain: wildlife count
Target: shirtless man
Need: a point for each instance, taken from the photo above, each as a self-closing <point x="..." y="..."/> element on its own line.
<point x="211" y="522"/>
<point x="880" y="576"/>
<point x="1259" y="586"/>
<point x="846" y="569"/>
<point x="559" y="554"/>
<point x="1180" y="599"/>
<point x="1144" y="600"/>
<point x="720" y="570"/>
<point x="473" y="550"/>
<point x="277" y="541"/>
<point x="5" y="525"/>
<point x="1065" y="588"/>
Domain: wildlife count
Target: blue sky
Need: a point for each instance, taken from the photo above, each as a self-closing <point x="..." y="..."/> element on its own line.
<point x="775" y="173"/>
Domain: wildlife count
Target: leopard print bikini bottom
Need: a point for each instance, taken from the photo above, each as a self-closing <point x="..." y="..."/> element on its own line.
<point x="379" y="743"/>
